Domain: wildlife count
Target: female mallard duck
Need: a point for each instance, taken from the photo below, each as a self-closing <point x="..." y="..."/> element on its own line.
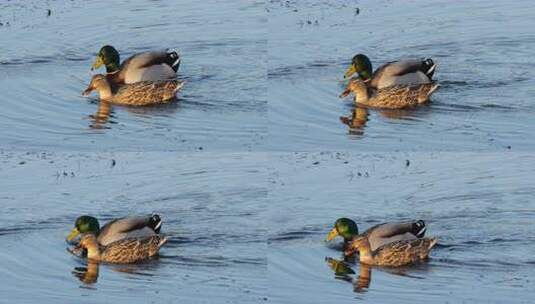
<point x="123" y="251"/>
<point x="393" y="254"/>
<point x="394" y="97"/>
<point x="117" y="229"/>
<point x="378" y="235"/>
<point x="141" y="93"/>
<point x="402" y="72"/>
<point x="147" y="66"/>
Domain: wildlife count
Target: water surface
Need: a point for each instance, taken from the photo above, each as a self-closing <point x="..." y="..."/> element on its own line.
<point x="480" y="206"/>
<point x="45" y="61"/>
<point x="212" y="207"/>
<point x="485" y="69"/>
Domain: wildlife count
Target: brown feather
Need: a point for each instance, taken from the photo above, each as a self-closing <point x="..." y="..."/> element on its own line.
<point x="403" y="252"/>
<point x="128" y="250"/>
<point x="132" y="250"/>
<point x="135" y="94"/>
<point x="393" y="254"/>
<point x="146" y="92"/>
<point x="394" y="97"/>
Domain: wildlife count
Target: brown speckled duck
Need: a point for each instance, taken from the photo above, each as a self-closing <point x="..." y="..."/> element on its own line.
<point x="394" y="97"/>
<point x="393" y="254"/>
<point x="141" y="93"/>
<point x="124" y="251"/>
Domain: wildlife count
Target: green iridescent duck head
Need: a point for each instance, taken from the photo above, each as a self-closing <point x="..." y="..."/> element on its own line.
<point x="109" y="57"/>
<point x="345" y="228"/>
<point x="361" y="65"/>
<point x="84" y="224"/>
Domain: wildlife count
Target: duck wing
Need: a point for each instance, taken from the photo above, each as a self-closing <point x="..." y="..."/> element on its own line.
<point x="413" y="70"/>
<point x="132" y="250"/>
<point x="125" y="227"/>
<point x="403" y="252"/>
<point x="148" y="59"/>
<point x="147" y="92"/>
<point x="385" y="233"/>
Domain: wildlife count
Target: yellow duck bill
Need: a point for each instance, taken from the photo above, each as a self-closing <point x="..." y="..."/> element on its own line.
<point x="350" y="71"/>
<point x="73" y="234"/>
<point x="97" y="64"/>
<point x="332" y="234"/>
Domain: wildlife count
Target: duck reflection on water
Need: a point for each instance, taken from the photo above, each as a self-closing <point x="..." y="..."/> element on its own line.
<point x="342" y="271"/>
<point x="104" y="116"/>
<point x="88" y="274"/>
<point x="358" y="120"/>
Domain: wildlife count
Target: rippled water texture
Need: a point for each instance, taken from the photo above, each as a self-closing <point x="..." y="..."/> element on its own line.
<point x="211" y="209"/>
<point x="246" y="215"/>
<point x="484" y="52"/>
<point x="480" y="206"/>
<point x="45" y="61"/>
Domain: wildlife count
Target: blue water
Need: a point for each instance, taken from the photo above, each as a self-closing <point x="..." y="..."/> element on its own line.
<point x="258" y="156"/>
<point x="479" y="206"/>
<point x="205" y="203"/>
<point x="485" y="69"/>
<point x="45" y="62"/>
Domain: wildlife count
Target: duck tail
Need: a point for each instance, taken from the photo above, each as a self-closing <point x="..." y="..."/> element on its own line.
<point x="173" y="60"/>
<point x="432" y="243"/>
<point x="425" y="91"/>
<point x="179" y="86"/>
<point x="432" y="90"/>
<point x="162" y="242"/>
<point x="155" y="223"/>
<point x="429" y="67"/>
<point x="419" y="228"/>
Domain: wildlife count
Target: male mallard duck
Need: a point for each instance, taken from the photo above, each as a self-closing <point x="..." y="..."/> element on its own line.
<point x="402" y="72"/>
<point x="394" y="97"/>
<point x="395" y="254"/>
<point x="135" y="94"/>
<point x="123" y="251"/>
<point x="117" y="229"/>
<point x="380" y="234"/>
<point x="147" y="66"/>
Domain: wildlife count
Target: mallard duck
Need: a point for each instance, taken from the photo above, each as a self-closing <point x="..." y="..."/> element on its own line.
<point x="378" y="235"/>
<point x="394" y="97"/>
<point x="141" y="93"/>
<point x="117" y="229"/>
<point x="147" y="66"/>
<point x="402" y="72"/>
<point x="393" y="254"/>
<point x="123" y="251"/>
